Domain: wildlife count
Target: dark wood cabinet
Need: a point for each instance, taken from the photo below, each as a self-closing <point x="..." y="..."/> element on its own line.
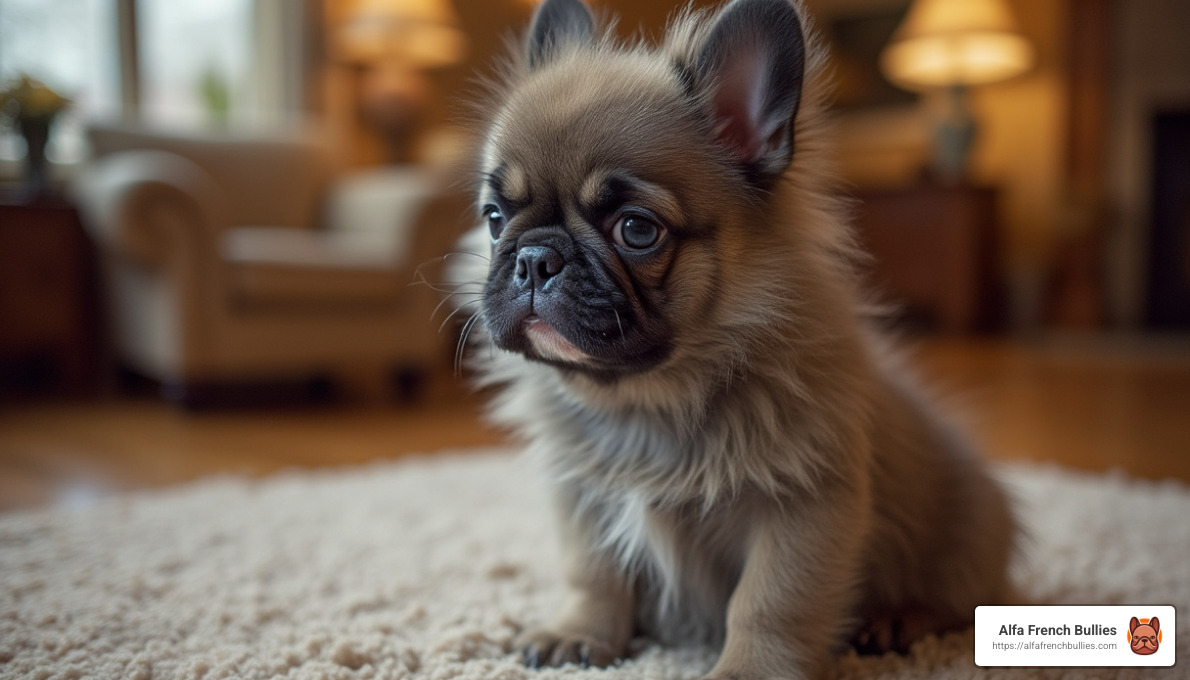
<point x="47" y="297"/>
<point x="934" y="254"/>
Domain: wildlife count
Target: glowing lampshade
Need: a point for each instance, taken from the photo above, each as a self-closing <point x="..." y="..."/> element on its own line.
<point x="419" y="33"/>
<point x="956" y="42"/>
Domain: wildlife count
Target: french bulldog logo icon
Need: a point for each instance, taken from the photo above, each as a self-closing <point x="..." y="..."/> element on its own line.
<point x="1144" y="635"/>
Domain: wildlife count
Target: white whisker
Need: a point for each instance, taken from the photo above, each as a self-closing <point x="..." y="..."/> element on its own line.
<point x="485" y="258"/>
<point x="459" y="350"/>
<point x="456" y="311"/>
<point x="447" y="299"/>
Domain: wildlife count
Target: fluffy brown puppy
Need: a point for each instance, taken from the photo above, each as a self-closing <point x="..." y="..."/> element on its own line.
<point x="670" y="306"/>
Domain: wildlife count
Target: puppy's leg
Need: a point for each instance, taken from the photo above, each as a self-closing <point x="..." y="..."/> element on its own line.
<point x="596" y="621"/>
<point x="792" y="604"/>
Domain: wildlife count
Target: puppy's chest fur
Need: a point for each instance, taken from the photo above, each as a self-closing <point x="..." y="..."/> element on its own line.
<point x="684" y="559"/>
<point x="656" y="499"/>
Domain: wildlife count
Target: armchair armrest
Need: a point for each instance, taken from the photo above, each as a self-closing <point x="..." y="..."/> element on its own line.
<point x="378" y="209"/>
<point x="151" y="206"/>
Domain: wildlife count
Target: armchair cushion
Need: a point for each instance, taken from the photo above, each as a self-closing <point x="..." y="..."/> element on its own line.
<point x="292" y="267"/>
<point x="381" y="207"/>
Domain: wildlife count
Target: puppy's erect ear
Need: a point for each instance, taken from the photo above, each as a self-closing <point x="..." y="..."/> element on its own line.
<point x="1133" y="624"/>
<point x="751" y="65"/>
<point x="1156" y="624"/>
<point x="556" y="22"/>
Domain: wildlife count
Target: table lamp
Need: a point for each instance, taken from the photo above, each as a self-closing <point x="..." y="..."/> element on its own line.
<point x="955" y="45"/>
<point x="395" y="42"/>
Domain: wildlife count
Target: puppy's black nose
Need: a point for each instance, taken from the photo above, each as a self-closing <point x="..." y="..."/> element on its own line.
<point x="536" y="265"/>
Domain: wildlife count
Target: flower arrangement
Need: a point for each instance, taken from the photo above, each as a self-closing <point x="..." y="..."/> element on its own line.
<point x="29" y="98"/>
<point x="33" y="107"/>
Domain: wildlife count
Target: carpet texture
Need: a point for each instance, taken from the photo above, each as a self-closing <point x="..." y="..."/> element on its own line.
<point x="429" y="568"/>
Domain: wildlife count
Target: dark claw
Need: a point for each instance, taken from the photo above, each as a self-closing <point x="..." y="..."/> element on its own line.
<point x="532" y="657"/>
<point x="866" y="644"/>
<point x="584" y="656"/>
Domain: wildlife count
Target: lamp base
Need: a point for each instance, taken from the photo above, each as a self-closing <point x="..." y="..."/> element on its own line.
<point x="392" y="99"/>
<point x="36" y="132"/>
<point x="954" y="135"/>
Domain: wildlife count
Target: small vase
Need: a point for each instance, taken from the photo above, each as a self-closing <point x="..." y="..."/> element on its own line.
<point x="36" y="131"/>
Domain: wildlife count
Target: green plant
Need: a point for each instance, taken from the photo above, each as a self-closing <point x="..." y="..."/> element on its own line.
<point x="216" y="96"/>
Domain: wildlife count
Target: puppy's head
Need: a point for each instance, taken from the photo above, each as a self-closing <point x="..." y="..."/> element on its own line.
<point x="623" y="186"/>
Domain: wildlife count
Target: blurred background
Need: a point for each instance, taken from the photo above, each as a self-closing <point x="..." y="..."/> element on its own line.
<point x="218" y="221"/>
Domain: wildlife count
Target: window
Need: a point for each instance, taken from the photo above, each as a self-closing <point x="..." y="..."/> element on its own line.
<point x="195" y="61"/>
<point x="199" y="64"/>
<point x="71" y="46"/>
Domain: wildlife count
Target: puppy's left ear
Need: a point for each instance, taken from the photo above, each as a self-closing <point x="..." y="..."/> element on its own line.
<point x="751" y="65"/>
<point x="556" y="22"/>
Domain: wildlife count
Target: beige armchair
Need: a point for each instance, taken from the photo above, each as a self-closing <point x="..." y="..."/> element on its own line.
<point x="231" y="260"/>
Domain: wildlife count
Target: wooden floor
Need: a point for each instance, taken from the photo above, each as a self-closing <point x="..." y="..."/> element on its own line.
<point x="1093" y="405"/>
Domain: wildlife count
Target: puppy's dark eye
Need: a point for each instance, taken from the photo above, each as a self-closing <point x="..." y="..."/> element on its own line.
<point x="495" y="220"/>
<point x="636" y="233"/>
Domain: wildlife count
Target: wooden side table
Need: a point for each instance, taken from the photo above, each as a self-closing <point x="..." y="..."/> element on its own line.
<point x="48" y="334"/>
<point x="935" y="253"/>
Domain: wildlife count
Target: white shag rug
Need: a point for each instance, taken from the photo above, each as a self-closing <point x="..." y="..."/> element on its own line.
<point x="429" y="568"/>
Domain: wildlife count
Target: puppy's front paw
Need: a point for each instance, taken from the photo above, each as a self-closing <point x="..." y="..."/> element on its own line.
<point x="877" y="637"/>
<point x="885" y="634"/>
<point x="545" y="647"/>
<point x="748" y="675"/>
